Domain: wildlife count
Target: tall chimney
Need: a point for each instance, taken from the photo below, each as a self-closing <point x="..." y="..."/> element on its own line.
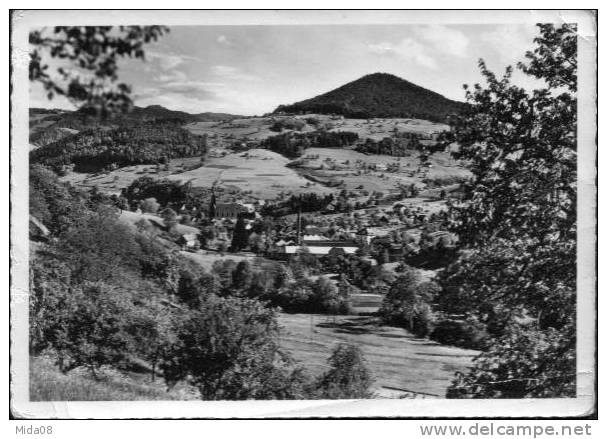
<point x="299" y="222"/>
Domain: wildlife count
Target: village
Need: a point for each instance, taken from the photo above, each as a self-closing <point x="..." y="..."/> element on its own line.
<point x="382" y="235"/>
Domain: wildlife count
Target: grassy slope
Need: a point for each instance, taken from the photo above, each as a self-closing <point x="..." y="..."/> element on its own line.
<point x="397" y="359"/>
<point x="47" y="383"/>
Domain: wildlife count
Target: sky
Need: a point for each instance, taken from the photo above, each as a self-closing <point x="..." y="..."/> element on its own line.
<point x="250" y="70"/>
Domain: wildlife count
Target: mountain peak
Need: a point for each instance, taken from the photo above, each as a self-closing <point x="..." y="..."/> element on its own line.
<point x="380" y="75"/>
<point x="379" y="95"/>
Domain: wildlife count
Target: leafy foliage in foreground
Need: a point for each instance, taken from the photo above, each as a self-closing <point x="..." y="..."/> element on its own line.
<point x="94" y="53"/>
<point x="517" y="273"/>
<point x="229" y="350"/>
<point x="524" y="363"/>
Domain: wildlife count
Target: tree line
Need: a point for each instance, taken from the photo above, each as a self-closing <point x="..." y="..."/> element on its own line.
<point x="292" y="144"/>
<point x="96" y="148"/>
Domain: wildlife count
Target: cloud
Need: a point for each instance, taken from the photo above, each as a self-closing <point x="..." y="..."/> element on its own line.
<point x="444" y="39"/>
<point x="195" y="88"/>
<point x="233" y="73"/>
<point x="225" y="41"/>
<point x="171" y="76"/>
<point x="186" y="89"/>
<point x="426" y="44"/>
<point x="408" y="49"/>
<point x="168" y="61"/>
<point x="510" y="41"/>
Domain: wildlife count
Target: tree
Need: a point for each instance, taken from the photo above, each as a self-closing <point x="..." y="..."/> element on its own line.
<point x="257" y="242"/>
<point x="229" y="350"/>
<point x="95" y="329"/>
<point x="326" y="296"/>
<point x="99" y="247"/>
<point x="525" y="363"/>
<point x="150" y="205"/>
<point x="408" y="302"/>
<point x="188" y="289"/>
<point x="242" y="276"/>
<point x="169" y="217"/>
<point x="53" y="203"/>
<point x="164" y="191"/>
<point x="93" y="53"/>
<point x="348" y="377"/>
<point x="303" y="261"/>
<point x="517" y="224"/>
<point x="240" y="236"/>
<point x="50" y="281"/>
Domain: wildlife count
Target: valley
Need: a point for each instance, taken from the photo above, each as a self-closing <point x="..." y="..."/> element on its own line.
<point x="322" y="213"/>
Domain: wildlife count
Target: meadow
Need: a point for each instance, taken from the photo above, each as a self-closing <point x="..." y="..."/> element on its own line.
<point x="403" y="365"/>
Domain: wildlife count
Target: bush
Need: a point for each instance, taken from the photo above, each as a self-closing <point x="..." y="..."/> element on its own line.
<point x="314" y="121"/>
<point x="326" y="297"/>
<point x="524" y="363"/>
<point x="288" y="124"/>
<point x="150" y="205"/>
<point x="93" y="328"/>
<point x="348" y="377"/>
<point x="468" y="333"/>
<point x="228" y="349"/>
<point x="164" y="191"/>
<point x="407" y="303"/>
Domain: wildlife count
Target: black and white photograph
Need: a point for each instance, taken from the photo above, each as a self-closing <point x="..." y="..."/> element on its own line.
<point x="310" y="213"/>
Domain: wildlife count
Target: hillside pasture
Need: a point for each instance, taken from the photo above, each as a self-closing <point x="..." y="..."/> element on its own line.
<point x="402" y="364"/>
<point x="111" y="182"/>
<point x="258" y="128"/>
<point x="264" y="173"/>
<point x="356" y="169"/>
<point x="251" y="128"/>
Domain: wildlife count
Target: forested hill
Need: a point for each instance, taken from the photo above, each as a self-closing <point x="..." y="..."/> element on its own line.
<point x="96" y="148"/>
<point x="378" y="95"/>
<point x="48" y="125"/>
<point x="159" y="112"/>
<point x="80" y="119"/>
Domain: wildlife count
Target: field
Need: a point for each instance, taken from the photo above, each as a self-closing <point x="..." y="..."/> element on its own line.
<point x="264" y="174"/>
<point x="402" y="364"/>
<point x="112" y="182"/>
<point x="356" y="169"/>
<point x="258" y="128"/>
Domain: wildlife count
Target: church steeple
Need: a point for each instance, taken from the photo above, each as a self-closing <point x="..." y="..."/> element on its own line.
<point x="212" y="205"/>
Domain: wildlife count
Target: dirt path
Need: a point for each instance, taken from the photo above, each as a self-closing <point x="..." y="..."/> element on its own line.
<point x="402" y="364"/>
